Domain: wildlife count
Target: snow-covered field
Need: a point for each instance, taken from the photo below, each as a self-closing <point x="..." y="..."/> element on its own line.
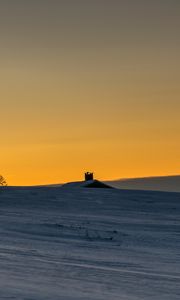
<point x="82" y="244"/>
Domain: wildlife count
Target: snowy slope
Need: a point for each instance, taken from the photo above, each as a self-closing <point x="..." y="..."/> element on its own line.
<point x="163" y="183"/>
<point x="84" y="244"/>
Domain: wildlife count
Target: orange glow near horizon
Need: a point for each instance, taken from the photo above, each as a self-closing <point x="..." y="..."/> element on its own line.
<point x="86" y="87"/>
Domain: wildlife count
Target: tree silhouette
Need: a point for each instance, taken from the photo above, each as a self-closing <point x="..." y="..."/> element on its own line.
<point x="2" y="181"/>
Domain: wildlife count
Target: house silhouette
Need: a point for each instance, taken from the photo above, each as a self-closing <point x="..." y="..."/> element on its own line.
<point x="89" y="182"/>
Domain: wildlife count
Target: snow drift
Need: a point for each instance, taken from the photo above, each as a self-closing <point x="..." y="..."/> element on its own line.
<point x="89" y="244"/>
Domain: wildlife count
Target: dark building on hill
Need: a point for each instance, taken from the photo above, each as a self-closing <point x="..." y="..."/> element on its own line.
<point x="89" y="182"/>
<point x="89" y="176"/>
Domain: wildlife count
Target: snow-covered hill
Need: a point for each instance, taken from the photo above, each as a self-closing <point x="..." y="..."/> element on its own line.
<point x="163" y="183"/>
<point x="89" y="244"/>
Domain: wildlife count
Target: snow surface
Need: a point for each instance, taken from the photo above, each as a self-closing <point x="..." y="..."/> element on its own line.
<point x="85" y="244"/>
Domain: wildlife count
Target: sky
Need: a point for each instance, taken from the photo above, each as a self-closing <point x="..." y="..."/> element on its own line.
<point x="89" y="86"/>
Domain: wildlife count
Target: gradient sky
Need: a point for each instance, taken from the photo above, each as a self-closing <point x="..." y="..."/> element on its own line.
<point x="89" y="85"/>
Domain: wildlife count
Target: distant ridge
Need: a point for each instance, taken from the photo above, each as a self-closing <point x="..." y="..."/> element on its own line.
<point x="159" y="183"/>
